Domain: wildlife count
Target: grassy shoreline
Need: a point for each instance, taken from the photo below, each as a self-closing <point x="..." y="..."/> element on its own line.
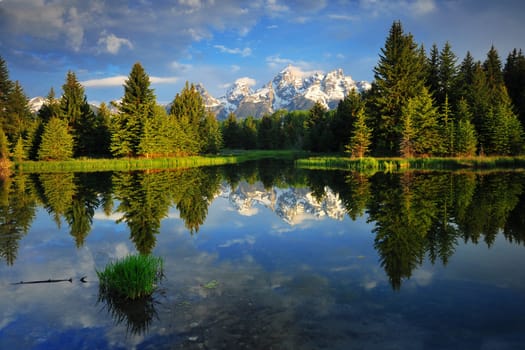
<point x="302" y="160"/>
<point x="126" y="164"/>
<point x="400" y="164"/>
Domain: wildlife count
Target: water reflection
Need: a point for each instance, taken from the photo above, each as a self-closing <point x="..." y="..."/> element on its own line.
<point x="136" y="315"/>
<point x="302" y="259"/>
<point x="414" y="214"/>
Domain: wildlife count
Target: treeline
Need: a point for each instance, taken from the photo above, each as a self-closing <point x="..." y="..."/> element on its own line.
<point x="67" y="127"/>
<point x="419" y="105"/>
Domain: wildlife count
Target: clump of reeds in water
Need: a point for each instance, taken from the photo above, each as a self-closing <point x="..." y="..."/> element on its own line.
<point x="132" y="277"/>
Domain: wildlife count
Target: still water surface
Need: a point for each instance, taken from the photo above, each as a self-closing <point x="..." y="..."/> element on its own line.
<point x="265" y="256"/>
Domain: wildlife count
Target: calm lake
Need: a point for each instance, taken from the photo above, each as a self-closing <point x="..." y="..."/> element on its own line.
<point x="265" y="256"/>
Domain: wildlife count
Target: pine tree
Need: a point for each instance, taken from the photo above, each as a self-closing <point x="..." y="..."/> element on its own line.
<point x="50" y="108"/>
<point x="433" y="70"/>
<point x="138" y="104"/>
<point x="18" y="115"/>
<point x="465" y="77"/>
<point x="399" y="76"/>
<point x="316" y="127"/>
<point x="248" y="131"/>
<point x="231" y="132"/>
<point x="480" y="100"/>
<point x="19" y="153"/>
<point x="506" y="135"/>
<point x="82" y="122"/>
<point x="189" y="112"/>
<point x="466" y="140"/>
<point x="360" y="138"/>
<point x="151" y="142"/>
<point x="57" y="143"/>
<point x="447" y="75"/>
<point x="423" y="120"/>
<point x="514" y="76"/>
<point x="5" y="163"/>
<point x="4" y="145"/>
<point x="494" y="77"/>
<point x="344" y="118"/>
<point x="408" y="135"/>
<point x="103" y="130"/>
<point x="447" y="127"/>
<point x="5" y="89"/>
<point x="211" y="131"/>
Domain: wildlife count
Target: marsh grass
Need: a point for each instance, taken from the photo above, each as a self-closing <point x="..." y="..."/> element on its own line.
<point x="125" y="164"/>
<point x="370" y="165"/>
<point x="132" y="277"/>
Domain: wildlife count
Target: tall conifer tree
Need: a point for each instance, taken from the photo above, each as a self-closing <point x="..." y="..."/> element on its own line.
<point x="138" y="104"/>
<point x="425" y="138"/>
<point x="514" y="76"/>
<point x="360" y="137"/>
<point x="447" y="75"/>
<point x="82" y="123"/>
<point x="399" y="76"/>
<point x="433" y="70"/>
<point x="18" y="116"/>
<point x="5" y="87"/>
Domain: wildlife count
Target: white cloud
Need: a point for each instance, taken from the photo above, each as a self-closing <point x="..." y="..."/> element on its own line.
<point x="412" y="7"/>
<point x="236" y="51"/>
<point x="120" y="79"/>
<point x="278" y="62"/>
<point x="422" y="7"/>
<point x="105" y="82"/>
<point x="246" y="240"/>
<point x="112" y="44"/>
<point x="342" y="17"/>
<point x="274" y="7"/>
<point x="191" y="3"/>
<point x="163" y="80"/>
<point x="180" y="67"/>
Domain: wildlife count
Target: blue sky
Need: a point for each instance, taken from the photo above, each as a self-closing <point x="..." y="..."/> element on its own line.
<point x="216" y="42"/>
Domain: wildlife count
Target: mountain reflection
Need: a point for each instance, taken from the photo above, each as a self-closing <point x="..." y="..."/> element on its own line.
<point x="415" y="215"/>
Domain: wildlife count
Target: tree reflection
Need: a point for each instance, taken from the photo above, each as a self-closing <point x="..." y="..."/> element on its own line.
<point x="193" y="191"/>
<point x="416" y="214"/>
<point x="56" y="191"/>
<point x="144" y="200"/>
<point x="17" y="211"/>
<point x="86" y="199"/>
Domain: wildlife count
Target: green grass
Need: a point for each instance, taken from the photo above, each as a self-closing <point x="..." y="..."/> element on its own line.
<point x="125" y="164"/>
<point x="370" y="164"/>
<point x="303" y="160"/>
<point x="132" y="277"/>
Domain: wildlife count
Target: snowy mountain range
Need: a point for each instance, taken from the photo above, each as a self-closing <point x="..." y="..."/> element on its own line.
<point x="291" y="89"/>
<point x="293" y="205"/>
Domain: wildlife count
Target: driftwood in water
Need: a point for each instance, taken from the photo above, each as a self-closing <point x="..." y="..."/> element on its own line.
<point x="83" y="280"/>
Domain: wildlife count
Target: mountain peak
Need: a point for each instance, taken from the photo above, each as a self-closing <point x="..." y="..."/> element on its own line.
<point x="291" y="89"/>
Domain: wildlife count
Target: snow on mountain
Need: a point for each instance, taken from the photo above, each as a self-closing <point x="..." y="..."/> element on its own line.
<point x="293" y="205"/>
<point x="36" y="103"/>
<point x="290" y="89"/>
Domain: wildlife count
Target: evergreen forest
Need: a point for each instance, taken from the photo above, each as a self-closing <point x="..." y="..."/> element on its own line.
<point x="421" y="104"/>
